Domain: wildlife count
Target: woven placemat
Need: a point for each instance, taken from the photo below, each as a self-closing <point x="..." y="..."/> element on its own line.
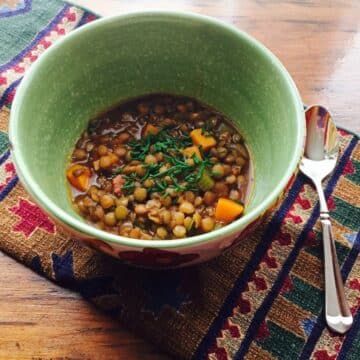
<point x="261" y="300"/>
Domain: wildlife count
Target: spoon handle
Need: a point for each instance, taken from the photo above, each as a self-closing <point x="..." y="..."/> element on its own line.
<point x="337" y="312"/>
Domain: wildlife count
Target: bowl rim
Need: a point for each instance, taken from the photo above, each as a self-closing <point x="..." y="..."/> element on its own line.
<point x="86" y="229"/>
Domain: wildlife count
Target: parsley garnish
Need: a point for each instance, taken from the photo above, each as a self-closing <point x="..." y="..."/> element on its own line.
<point x="184" y="175"/>
<point x="129" y="185"/>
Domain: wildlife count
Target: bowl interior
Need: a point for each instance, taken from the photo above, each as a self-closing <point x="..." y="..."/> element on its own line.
<point x="123" y="57"/>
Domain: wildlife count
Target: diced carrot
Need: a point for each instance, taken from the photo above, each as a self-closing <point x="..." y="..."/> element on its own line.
<point x="191" y="150"/>
<point x="201" y="139"/>
<point x="150" y="129"/>
<point x="78" y="176"/>
<point x="227" y="210"/>
<point x="118" y="181"/>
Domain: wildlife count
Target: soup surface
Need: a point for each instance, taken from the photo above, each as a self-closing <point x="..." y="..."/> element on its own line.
<point x="160" y="167"/>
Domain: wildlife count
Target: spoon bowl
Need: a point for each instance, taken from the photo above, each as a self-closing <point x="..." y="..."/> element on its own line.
<point x="322" y="145"/>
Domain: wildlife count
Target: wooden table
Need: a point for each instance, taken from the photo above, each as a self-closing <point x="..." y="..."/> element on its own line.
<point x="319" y="43"/>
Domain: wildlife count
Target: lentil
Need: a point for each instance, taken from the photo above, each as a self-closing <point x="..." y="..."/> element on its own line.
<point x="179" y="231"/>
<point x="110" y="219"/>
<point x="121" y="212"/>
<point x="107" y="201"/>
<point x="140" y="194"/>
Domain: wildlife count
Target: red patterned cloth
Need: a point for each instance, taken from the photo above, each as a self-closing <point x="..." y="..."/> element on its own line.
<point x="261" y="300"/>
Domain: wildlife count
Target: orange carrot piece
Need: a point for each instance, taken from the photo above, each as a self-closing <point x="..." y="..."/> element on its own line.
<point x="118" y="181"/>
<point x="79" y="176"/>
<point x="191" y="150"/>
<point x="227" y="210"/>
<point x="200" y="139"/>
<point x="150" y="129"/>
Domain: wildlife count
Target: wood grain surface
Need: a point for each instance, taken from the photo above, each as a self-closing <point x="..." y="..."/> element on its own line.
<point x="318" y="42"/>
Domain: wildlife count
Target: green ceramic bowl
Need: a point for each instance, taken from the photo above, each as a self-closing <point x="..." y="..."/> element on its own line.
<point x="117" y="58"/>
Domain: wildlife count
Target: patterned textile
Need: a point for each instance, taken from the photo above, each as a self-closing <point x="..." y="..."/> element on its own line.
<point x="261" y="300"/>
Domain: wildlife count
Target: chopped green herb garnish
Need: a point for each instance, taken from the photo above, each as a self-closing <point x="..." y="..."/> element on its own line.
<point x="182" y="174"/>
<point x="129" y="185"/>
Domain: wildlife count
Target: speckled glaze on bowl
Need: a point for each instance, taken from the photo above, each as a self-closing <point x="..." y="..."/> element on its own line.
<point x="121" y="57"/>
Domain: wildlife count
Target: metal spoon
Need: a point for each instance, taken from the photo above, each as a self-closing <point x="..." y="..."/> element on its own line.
<point x="321" y="153"/>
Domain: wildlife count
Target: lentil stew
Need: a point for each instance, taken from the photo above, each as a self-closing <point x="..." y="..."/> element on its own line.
<point x="160" y="167"/>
